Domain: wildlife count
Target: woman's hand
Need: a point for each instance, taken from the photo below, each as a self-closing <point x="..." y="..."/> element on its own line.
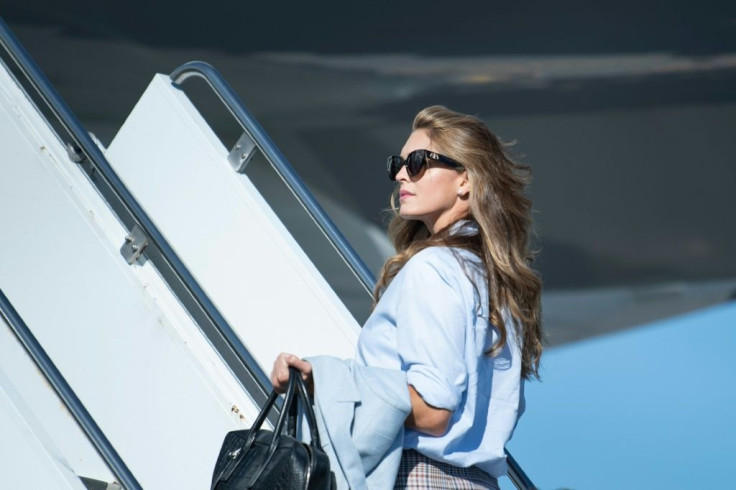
<point x="280" y="371"/>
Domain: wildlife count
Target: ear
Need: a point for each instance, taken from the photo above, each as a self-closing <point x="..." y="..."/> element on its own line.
<point x="463" y="189"/>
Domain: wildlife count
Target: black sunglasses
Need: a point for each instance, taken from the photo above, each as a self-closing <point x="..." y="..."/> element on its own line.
<point x="415" y="161"/>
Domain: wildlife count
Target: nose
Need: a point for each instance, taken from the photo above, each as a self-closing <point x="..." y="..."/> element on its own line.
<point x="402" y="175"/>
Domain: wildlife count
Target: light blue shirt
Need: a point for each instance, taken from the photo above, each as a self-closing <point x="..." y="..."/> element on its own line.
<point x="433" y="324"/>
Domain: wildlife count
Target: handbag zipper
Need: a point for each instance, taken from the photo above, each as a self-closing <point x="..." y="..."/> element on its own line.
<point x="230" y="466"/>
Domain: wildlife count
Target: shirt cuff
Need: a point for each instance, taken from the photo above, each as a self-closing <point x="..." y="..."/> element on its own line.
<point x="433" y="387"/>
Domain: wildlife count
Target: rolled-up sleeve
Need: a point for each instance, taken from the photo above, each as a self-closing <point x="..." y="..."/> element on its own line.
<point x="431" y="329"/>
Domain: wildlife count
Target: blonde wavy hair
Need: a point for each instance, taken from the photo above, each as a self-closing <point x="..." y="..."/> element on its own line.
<point x="503" y="214"/>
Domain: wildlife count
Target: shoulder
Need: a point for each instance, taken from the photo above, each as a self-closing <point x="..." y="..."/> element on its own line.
<point x="432" y="255"/>
<point x="445" y="263"/>
<point x="444" y="258"/>
<point x="440" y="259"/>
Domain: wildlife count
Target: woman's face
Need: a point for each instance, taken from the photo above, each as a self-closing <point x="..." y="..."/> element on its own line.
<point x="437" y="195"/>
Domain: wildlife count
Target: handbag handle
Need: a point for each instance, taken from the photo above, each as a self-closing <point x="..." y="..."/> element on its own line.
<point x="296" y="387"/>
<point x="308" y="410"/>
<point x="260" y="419"/>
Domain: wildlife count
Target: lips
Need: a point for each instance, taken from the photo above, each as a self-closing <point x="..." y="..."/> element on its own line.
<point x="403" y="194"/>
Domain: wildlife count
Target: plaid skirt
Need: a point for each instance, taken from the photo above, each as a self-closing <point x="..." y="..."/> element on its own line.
<point x="417" y="471"/>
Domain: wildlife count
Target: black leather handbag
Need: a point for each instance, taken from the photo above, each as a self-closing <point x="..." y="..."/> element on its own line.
<point x="262" y="459"/>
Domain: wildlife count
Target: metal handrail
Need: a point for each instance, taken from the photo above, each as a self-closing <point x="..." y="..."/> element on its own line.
<point x="517" y="475"/>
<point x="67" y="395"/>
<point x="283" y="168"/>
<point x="264" y="143"/>
<point x="258" y="385"/>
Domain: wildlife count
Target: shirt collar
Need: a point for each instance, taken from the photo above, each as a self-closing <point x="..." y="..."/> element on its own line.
<point x="464" y="227"/>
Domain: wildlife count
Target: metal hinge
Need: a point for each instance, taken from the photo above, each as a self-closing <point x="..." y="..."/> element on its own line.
<point x="242" y="153"/>
<point x="75" y="153"/>
<point x="135" y="242"/>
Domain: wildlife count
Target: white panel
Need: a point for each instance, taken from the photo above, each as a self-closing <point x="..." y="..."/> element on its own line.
<point x="30" y="387"/>
<point x="228" y="236"/>
<point x="28" y="458"/>
<point x="141" y="367"/>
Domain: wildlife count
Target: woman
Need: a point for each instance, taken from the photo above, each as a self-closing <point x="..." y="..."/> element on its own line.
<point x="458" y="306"/>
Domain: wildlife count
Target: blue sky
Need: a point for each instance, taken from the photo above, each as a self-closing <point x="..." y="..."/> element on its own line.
<point x="650" y="407"/>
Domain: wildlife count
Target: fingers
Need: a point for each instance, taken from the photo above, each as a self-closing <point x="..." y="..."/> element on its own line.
<point x="303" y="366"/>
<point x="280" y="371"/>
